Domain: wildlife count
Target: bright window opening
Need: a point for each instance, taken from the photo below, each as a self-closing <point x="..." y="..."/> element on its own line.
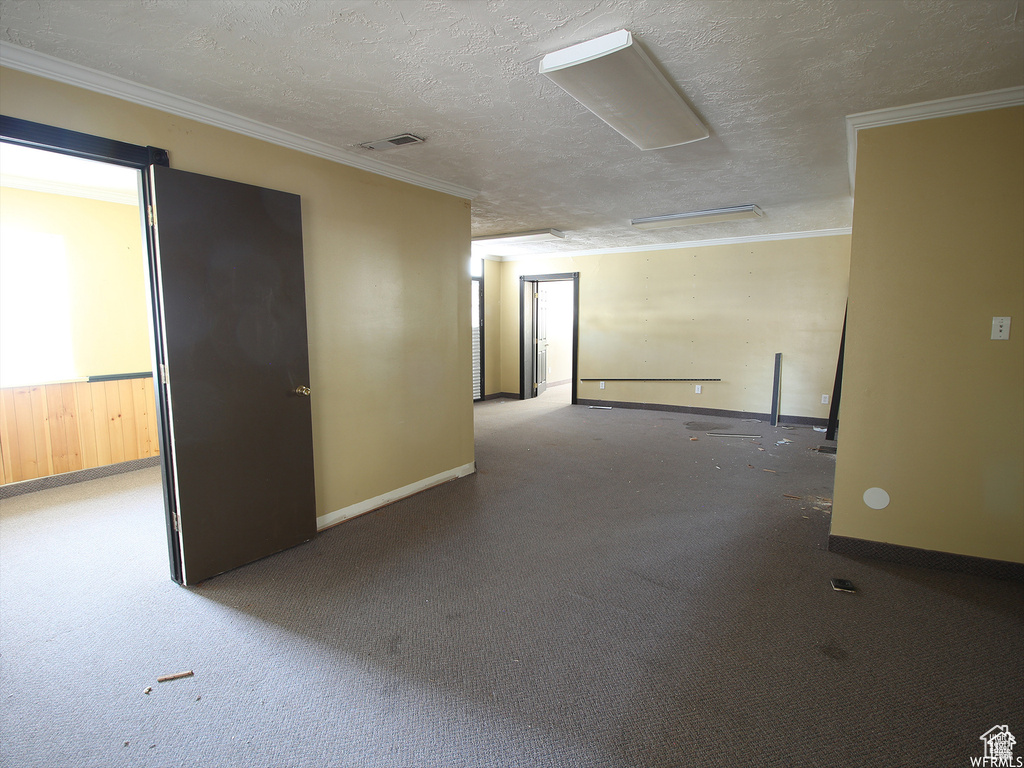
<point x="35" y="309"/>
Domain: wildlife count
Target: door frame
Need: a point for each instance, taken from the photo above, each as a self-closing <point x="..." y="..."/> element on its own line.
<point x="26" y="133"/>
<point x="526" y="324"/>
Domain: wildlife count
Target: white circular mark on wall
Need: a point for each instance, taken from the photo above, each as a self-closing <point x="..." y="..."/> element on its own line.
<point x="876" y="498"/>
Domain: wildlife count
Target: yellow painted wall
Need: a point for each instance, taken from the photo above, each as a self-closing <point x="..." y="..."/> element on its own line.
<point x="719" y="311"/>
<point x="106" y="256"/>
<point x="387" y="290"/>
<point x="933" y="409"/>
<point x="492" y="327"/>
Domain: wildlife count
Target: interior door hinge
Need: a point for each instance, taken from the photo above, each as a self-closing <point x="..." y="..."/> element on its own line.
<point x="163" y="373"/>
<point x="176" y="521"/>
<point x="149" y="215"/>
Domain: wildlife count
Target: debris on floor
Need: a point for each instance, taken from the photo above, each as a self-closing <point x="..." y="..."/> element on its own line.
<point x="175" y="676"/>
<point x="783" y="441"/>
<point x="843" y="585"/>
<point x="727" y="434"/>
<point x="791" y="496"/>
<point x="693" y="439"/>
<point x="149" y="690"/>
<point x="770" y="470"/>
<point x="820" y="429"/>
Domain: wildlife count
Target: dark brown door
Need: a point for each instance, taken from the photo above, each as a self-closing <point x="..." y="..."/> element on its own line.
<point x="231" y="315"/>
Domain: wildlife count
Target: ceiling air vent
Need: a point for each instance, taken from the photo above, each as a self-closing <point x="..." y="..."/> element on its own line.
<point x="394" y="141"/>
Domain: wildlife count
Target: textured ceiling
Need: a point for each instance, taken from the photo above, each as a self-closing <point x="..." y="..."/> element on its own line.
<point x="772" y="79"/>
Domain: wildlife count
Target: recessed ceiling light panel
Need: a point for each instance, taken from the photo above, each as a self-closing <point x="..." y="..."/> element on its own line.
<point x="613" y="78"/>
<point x="395" y="141"/>
<point x="749" y="211"/>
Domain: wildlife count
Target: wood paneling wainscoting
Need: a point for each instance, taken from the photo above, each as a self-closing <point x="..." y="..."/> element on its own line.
<point x="49" y="429"/>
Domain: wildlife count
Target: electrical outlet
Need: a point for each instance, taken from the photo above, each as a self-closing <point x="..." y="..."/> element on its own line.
<point x="601" y="385"/>
<point x="697" y="389"/>
<point x="1000" y="328"/>
<point x="824" y="399"/>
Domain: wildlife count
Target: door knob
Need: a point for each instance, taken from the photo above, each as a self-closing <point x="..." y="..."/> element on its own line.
<point x="303" y="391"/>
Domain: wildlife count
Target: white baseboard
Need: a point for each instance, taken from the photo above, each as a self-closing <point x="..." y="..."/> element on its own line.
<point x="347" y="513"/>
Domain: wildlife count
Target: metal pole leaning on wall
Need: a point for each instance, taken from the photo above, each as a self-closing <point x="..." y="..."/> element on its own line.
<point x="775" y="389"/>
<point x="837" y="388"/>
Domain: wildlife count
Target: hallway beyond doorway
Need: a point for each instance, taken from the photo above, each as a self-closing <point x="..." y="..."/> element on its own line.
<point x="557" y="392"/>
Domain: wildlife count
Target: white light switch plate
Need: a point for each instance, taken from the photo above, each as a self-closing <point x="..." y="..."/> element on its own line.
<point x="1000" y="327"/>
<point x="697" y="389"/>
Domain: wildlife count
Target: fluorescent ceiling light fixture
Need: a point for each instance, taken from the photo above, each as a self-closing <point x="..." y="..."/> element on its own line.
<point x="533" y="236"/>
<point x="613" y="78"/>
<point x="750" y="211"/>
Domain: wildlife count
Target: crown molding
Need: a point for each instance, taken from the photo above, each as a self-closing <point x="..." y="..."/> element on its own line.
<point x="926" y="110"/>
<point x="686" y="244"/>
<point x="47" y="186"/>
<point x="52" y="68"/>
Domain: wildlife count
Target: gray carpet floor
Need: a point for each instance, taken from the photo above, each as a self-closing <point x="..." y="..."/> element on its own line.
<point x="605" y="592"/>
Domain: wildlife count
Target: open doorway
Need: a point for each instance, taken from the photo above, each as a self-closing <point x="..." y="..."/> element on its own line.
<point x="476" y="271"/>
<point x="76" y="386"/>
<point x="549" y="335"/>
